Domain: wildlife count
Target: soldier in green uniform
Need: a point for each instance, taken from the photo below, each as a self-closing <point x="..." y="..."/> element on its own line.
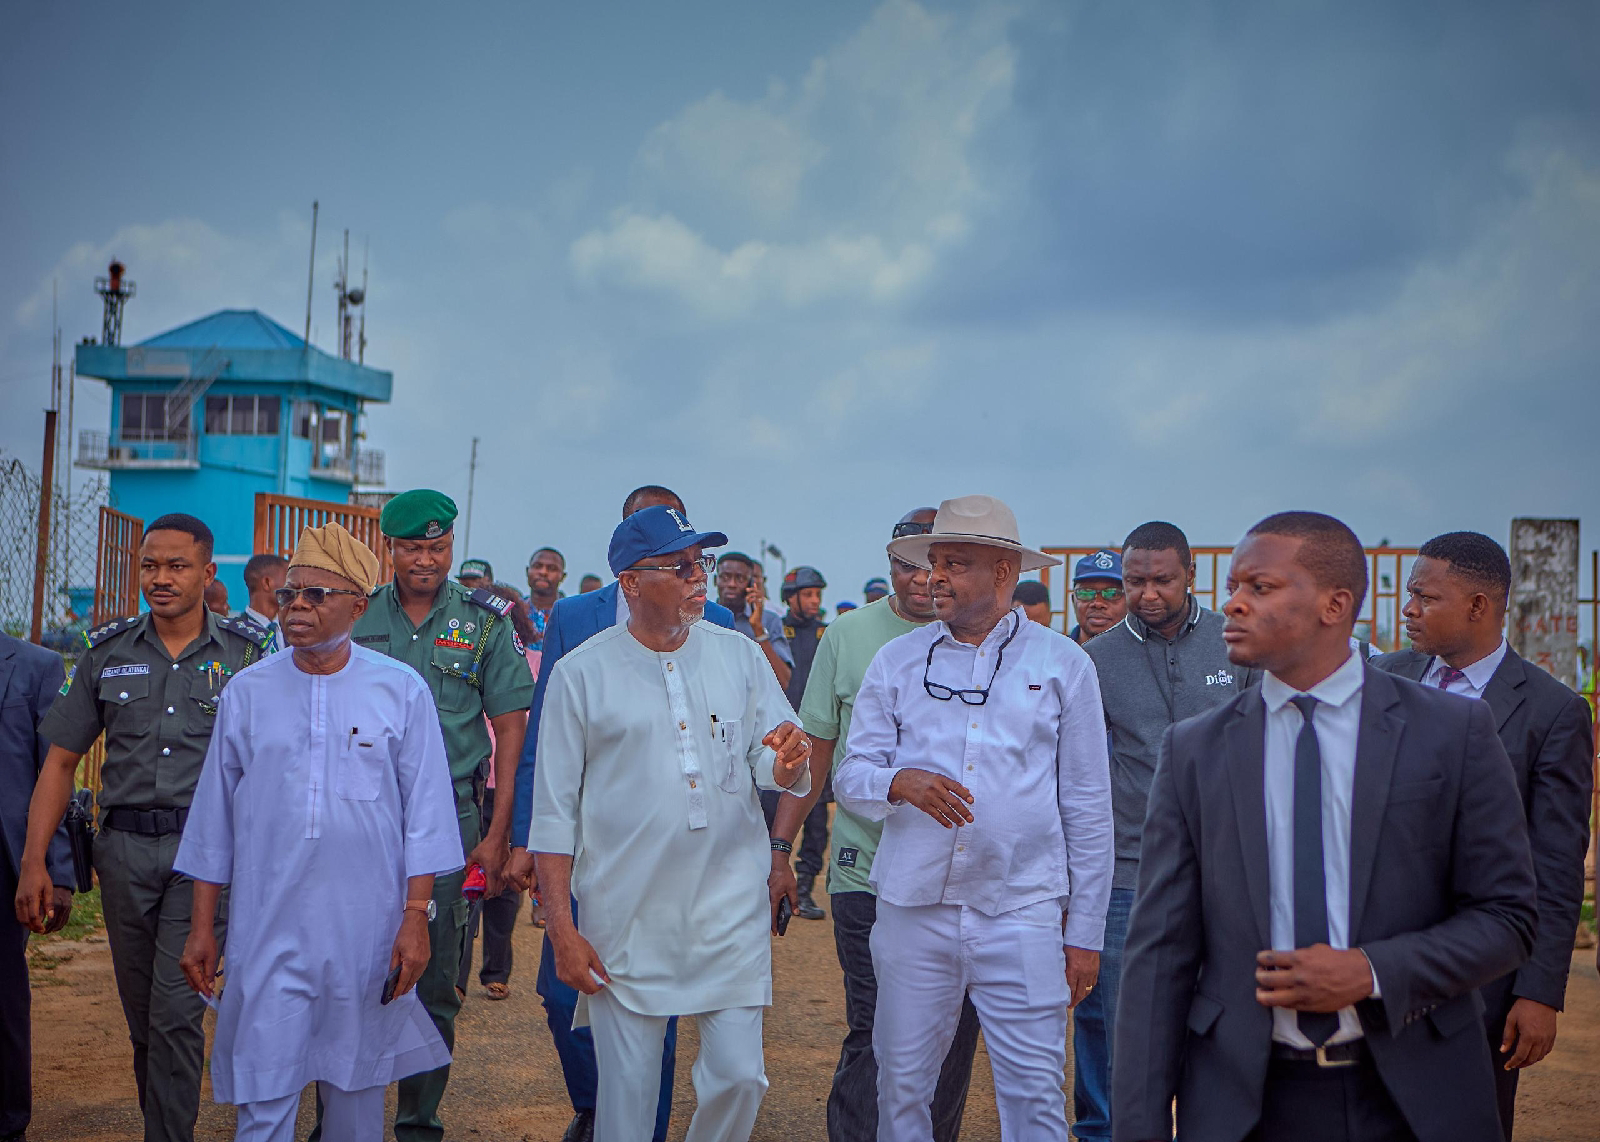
<point x="150" y="684"/>
<point x="463" y="645"/>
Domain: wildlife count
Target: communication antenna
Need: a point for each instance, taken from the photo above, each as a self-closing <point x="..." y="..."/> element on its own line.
<point x="116" y="292"/>
<point x="472" y="479"/>
<point x="361" y="338"/>
<point x="311" y="279"/>
<point x="348" y="299"/>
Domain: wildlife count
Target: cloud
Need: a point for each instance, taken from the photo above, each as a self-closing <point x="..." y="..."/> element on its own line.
<point x="846" y="186"/>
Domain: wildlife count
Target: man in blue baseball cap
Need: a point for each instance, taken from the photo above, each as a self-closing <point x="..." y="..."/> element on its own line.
<point x="1097" y="599"/>
<point x="875" y="589"/>
<point x="654" y="736"/>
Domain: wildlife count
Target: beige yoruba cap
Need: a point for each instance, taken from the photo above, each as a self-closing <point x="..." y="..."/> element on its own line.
<point x="332" y="548"/>
<point x="971" y="519"/>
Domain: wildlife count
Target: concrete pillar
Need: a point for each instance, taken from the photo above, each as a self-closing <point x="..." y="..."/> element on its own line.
<point x="1543" y="620"/>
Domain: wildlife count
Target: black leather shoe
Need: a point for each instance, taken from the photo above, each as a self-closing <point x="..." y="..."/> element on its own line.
<point x="581" y="1128"/>
<point x="808" y="909"/>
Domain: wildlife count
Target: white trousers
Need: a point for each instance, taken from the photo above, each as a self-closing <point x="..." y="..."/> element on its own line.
<point x="729" y="1075"/>
<point x="347" y="1116"/>
<point x="1014" y="968"/>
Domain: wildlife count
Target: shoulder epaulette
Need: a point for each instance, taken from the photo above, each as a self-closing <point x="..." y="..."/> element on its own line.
<point x="247" y="629"/>
<point x="96" y="635"/>
<point x="490" y="601"/>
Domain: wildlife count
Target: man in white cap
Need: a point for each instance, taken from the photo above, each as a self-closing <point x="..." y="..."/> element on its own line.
<point x="979" y="741"/>
<point x="325" y="802"/>
<point x="654" y="738"/>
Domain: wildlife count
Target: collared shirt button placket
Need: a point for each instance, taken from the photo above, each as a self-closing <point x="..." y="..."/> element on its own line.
<point x="678" y="700"/>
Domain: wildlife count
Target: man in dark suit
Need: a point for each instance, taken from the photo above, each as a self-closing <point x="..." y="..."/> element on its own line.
<point x="1333" y="863"/>
<point x="29" y="679"/>
<point x="572" y="622"/>
<point x="1455" y="612"/>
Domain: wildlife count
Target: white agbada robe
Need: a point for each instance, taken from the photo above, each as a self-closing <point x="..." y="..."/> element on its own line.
<point x="647" y="770"/>
<point x="320" y="796"/>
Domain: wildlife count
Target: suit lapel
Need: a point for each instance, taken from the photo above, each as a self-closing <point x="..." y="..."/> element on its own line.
<point x="1377" y="744"/>
<point x="1413" y="665"/>
<point x="1504" y="691"/>
<point x="8" y="665"/>
<point x="605" y="608"/>
<point x="1245" y="741"/>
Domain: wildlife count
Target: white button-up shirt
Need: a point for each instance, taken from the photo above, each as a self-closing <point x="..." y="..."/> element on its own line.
<point x="1338" y="723"/>
<point x="1033" y="756"/>
<point x="1474" y="678"/>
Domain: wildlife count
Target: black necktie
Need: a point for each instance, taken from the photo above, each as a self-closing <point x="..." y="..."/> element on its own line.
<point x="1310" y="885"/>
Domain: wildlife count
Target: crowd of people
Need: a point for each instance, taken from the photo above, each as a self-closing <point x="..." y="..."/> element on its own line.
<point x="1285" y="888"/>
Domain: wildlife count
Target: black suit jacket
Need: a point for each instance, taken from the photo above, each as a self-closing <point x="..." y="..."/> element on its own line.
<point x="29" y="679"/>
<point x="1548" y="735"/>
<point x="1441" y="900"/>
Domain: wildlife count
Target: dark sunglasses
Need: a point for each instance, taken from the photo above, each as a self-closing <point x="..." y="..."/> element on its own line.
<point x="1087" y="594"/>
<point x="970" y="697"/>
<point x="314" y="596"/>
<point x="901" y="530"/>
<point x="685" y="568"/>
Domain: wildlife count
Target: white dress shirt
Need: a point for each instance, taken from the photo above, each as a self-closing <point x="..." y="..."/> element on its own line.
<point x="1338" y="723"/>
<point x="1474" y="678"/>
<point x="1033" y="757"/>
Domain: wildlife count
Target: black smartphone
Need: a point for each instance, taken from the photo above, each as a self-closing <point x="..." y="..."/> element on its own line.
<point x="390" y="981"/>
<point x="784" y="914"/>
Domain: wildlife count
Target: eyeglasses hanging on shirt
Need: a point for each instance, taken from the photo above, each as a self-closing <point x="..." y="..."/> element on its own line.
<point x="969" y="696"/>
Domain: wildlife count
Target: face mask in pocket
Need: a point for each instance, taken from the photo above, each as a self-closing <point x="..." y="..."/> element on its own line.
<point x="731" y="769"/>
<point x="361" y="769"/>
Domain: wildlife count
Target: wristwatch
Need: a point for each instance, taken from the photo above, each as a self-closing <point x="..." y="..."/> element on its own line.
<point x="430" y="907"/>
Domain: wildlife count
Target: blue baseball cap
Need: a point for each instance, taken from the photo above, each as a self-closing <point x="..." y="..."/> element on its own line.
<point x="655" y="531"/>
<point x="1098" y="565"/>
<point x="879" y="585"/>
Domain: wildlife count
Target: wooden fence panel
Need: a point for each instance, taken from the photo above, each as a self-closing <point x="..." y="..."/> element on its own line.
<point x="116" y="568"/>
<point x="281" y="519"/>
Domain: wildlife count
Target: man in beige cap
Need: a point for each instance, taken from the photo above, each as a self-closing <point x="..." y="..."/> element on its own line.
<point x="979" y="741"/>
<point x="325" y="803"/>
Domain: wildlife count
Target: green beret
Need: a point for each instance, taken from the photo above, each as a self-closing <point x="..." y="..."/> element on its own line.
<point x="418" y="514"/>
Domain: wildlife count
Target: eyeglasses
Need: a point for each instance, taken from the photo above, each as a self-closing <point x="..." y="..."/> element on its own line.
<point x="684" y="568"/>
<point x="1088" y="594"/>
<point x="970" y="697"/>
<point x="901" y="530"/>
<point x="314" y="596"/>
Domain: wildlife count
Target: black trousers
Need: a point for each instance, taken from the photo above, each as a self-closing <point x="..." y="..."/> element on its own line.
<point x="16" y="1032"/>
<point x="498" y="917"/>
<point x="853" y="1100"/>
<point x="1497" y="1001"/>
<point x="1307" y="1103"/>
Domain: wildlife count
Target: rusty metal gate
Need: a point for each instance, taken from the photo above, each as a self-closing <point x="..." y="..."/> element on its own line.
<point x="280" y="519"/>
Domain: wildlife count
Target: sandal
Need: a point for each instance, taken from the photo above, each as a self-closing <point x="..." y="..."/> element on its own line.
<point x="496" y="990"/>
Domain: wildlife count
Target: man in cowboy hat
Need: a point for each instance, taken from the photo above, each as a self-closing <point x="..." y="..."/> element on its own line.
<point x="979" y="741"/>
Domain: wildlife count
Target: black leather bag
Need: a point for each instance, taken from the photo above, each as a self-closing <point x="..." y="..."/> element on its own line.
<point x="80" y="837"/>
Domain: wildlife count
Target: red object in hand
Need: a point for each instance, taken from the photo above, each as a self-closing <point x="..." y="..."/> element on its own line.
<point x="475" y="883"/>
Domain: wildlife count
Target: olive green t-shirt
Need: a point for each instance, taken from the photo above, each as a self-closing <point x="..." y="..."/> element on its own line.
<point x="467" y="654"/>
<point x="846" y="650"/>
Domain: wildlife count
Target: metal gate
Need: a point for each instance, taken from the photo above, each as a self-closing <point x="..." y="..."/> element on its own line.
<point x="116" y="567"/>
<point x="280" y="520"/>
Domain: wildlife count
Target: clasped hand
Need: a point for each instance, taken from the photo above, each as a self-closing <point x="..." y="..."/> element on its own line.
<point x="1318" y="978"/>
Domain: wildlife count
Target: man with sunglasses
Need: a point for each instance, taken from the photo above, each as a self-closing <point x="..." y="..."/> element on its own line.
<point x="463" y="644"/>
<point x="1165" y="661"/>
<point x="325" y="806"/>
<point x="1098" y="600"/>
<point x="978" y="740"/>
<point x="853" y="640"/>
<point x="573" y="622"/>
<point x="653" y="740"/>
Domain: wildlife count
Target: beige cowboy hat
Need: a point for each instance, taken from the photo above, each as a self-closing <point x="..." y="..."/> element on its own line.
<point x="971" y="519"/>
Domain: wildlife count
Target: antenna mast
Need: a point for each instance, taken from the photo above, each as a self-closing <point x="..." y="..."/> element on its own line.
<point x="472" y="479"/>
<point x="361" y="338"/>
<point x="311" y="277"/>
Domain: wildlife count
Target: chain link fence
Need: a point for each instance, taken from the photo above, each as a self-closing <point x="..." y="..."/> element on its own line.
<point x="69" y="560"/>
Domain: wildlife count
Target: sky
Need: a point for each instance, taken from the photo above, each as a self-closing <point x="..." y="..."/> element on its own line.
<point x="816" y="265"/>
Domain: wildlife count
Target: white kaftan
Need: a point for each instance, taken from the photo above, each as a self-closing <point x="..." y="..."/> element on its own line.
<point x="647" y="771"/>
<point x="320" y="795"/>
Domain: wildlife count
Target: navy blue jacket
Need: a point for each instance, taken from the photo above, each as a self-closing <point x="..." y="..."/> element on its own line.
<point x="30" y="678"/>
<point x="573" y="621"/>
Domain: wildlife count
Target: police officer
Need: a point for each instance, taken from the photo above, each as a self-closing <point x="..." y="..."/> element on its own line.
<point x="803" y="626"/>
<point x="150" y="684"/>
<point x="463" y="644"/>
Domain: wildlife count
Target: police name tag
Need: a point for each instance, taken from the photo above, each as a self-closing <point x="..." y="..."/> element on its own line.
<point x="125" y="671"/>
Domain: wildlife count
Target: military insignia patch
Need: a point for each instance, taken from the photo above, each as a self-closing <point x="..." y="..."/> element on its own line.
<point x="490" y="601"/>
<point x="434" y="529"/>
<point x="450" y="640"/>
<point x="67" y="685"/>
<point x="516" y="641"/>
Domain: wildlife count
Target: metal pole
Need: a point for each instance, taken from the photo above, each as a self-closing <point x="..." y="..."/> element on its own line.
<point x="472" y="479"/>
<point x="311" y="276"/>
<point x="46" y="478"/>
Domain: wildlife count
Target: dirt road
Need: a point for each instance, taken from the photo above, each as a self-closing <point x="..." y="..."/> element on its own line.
<point x="506" y="1084"/>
